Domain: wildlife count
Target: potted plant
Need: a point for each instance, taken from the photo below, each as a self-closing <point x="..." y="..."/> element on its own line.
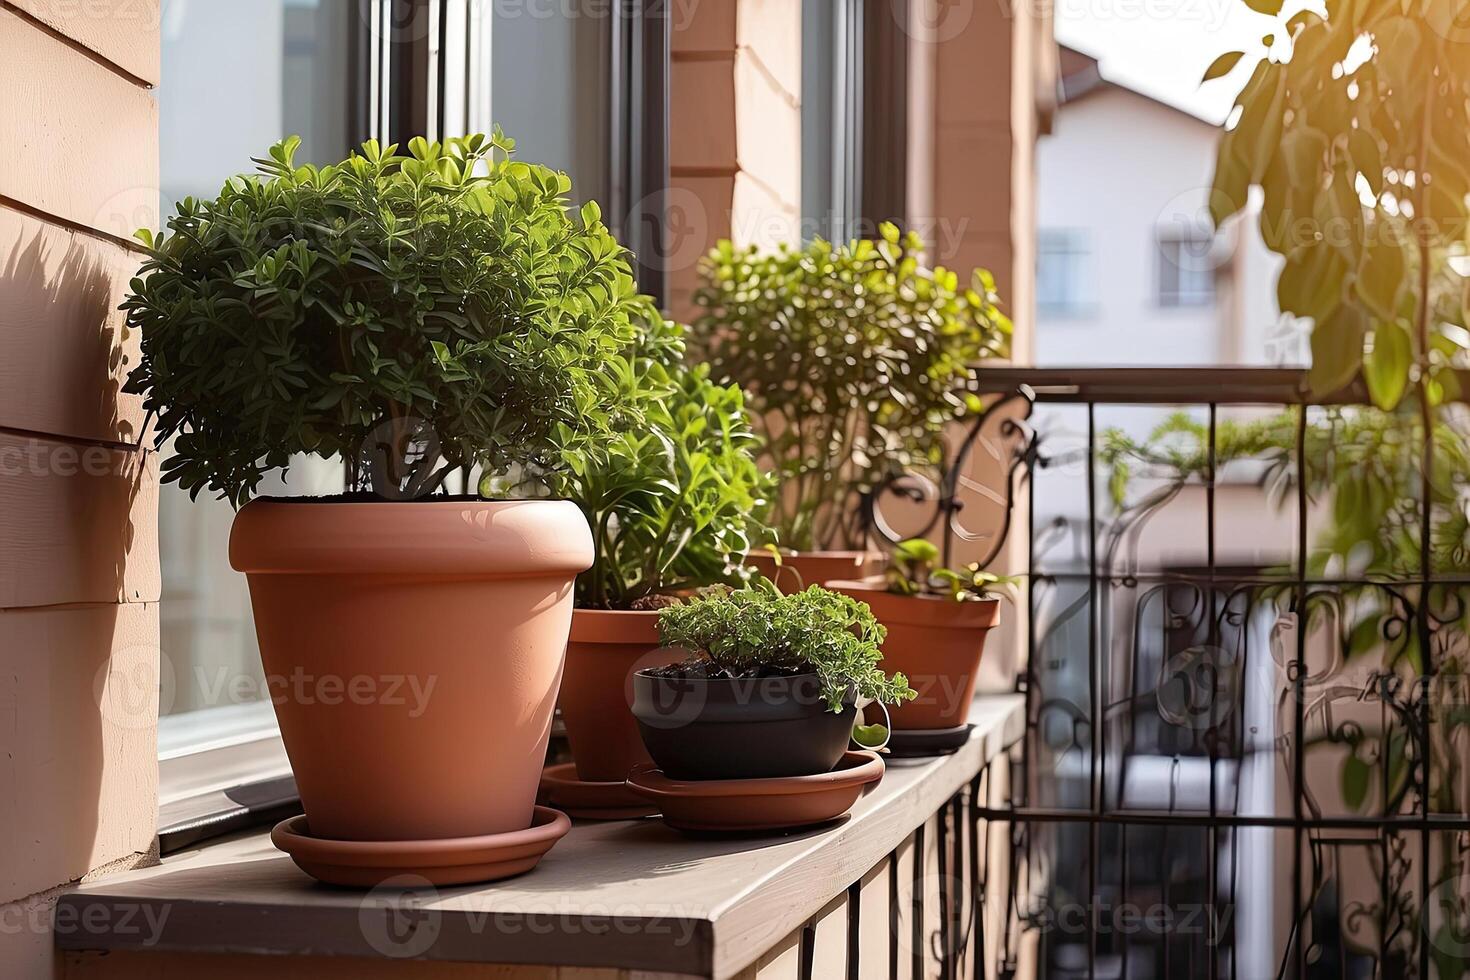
<point x="670" y="505"/>
<point x="854" y="358"/>
<point x="426" y="317"/>
<point x="770" y="687"/>
<point x="936" y="621"/>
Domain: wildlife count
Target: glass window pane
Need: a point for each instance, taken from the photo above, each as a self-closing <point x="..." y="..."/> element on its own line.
<point x="1187" y="263"/>
<point x="236" y="78"/>
<point x="1063" y="272"/>
<point x="548" y="88"/>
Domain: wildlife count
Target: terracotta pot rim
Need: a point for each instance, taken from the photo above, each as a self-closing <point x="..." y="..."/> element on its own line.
<point x="623" y="627"/>
<point x="293" y="836"/>
<point x="817" y="553"/>
<point x="613" y="613"/>
<point x="787" y="678"/>
<point x="857" y="767"/>
<point x="474" y="538"/>
<point x="922" y="610"/>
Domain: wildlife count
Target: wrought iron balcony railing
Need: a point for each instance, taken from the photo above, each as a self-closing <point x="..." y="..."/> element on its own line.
<point x="1248" y="716"/>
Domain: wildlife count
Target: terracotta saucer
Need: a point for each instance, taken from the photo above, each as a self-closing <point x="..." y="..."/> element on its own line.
<point x="736" y="805"/>
<point x="561" y="788"/>
<point x="917" y="743"/>
<point x="448" y="861"/>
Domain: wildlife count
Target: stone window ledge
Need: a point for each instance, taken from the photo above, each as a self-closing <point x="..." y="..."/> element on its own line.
<point x="629" y="894"/>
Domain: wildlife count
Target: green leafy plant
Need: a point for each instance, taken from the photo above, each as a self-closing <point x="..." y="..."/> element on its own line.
<point x="1352" y="123"/>
<point x="670" y="502"/>
<point x="854" y="359"/>
<point x="1361" y="461"/>
<point x="414" y="314"/>
<point x="746" y="630"/>
<point x="911" y="572"/>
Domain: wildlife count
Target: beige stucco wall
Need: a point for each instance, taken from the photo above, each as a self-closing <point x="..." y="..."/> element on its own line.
<point x="982" y="82"/>
<point x="735" y="140"/>
<point x="78" y="493"/>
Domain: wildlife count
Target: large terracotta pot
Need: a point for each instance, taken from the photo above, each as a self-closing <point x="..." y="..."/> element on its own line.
<point x="936" y="643"/>
<point x="800" y="569"/>
<point x="606" y="649"/>
<point x="413" y="652"/>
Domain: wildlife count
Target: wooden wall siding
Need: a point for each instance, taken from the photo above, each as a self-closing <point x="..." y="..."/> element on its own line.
<point x="81" y="140"/>
<point x="78" y="523"/>
<point x="78" y="741"/>
<point x="122" y="32"/>
<point x="62" y="356"/>
<point x="79" y="581"/>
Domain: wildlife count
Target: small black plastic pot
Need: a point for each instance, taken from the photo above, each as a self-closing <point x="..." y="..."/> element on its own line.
<point x="739" y="728"/>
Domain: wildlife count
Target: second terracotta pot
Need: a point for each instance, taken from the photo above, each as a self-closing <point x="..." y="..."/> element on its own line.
<point x="413" y="652"/>
<point x="607" y="647"/>
<point x="800" y="569"/>
<point x="936" y="643"/>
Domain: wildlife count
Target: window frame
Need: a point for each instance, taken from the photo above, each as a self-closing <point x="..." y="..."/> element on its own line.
<point x="1182" y="239"/>
<point x="1084" y="304"/>
<point x="210" y="751"/>
<point x="224" y="767"/>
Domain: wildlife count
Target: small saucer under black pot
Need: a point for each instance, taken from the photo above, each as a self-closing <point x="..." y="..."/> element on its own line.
<point x="918" y="744"/>
<point x="746" y="806"/>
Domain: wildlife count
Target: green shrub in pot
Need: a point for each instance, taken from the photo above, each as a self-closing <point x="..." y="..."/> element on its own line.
<point x="671" y="502"/>
<point x="854" y="359"/>
<point x="417" y="315"/>
<point x="361" y="309"/>
<point x="771" y="686"/>
<point x="671" y="505"/>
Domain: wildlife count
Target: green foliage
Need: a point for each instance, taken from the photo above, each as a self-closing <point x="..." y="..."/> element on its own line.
<point x="670" y="501"/>
<point x="832" y="635"/>
<point x="413" y="314"/>
<point x="853" y="358"/>
<point x="1354" y="125"/>
<point x="911" y="572"/>
<point x="1364" y="461"/>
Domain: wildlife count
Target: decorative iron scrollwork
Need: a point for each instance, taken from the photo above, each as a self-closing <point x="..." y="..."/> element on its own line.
<point x="967" y="500"/>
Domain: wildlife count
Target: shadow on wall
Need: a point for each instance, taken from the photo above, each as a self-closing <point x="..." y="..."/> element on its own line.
<point x="79" y="657"/>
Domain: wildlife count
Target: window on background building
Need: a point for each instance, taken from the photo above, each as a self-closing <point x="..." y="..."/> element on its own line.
<point x="1187" y="261"/>
<point x="235" y="78"/>
<point x="1064" y="273"/>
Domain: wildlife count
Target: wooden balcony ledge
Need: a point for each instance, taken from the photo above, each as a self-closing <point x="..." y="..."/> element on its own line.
<point x="630" y="896"/>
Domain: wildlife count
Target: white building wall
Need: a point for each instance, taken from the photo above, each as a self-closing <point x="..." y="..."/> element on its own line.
<point x="1117" y="168"/>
